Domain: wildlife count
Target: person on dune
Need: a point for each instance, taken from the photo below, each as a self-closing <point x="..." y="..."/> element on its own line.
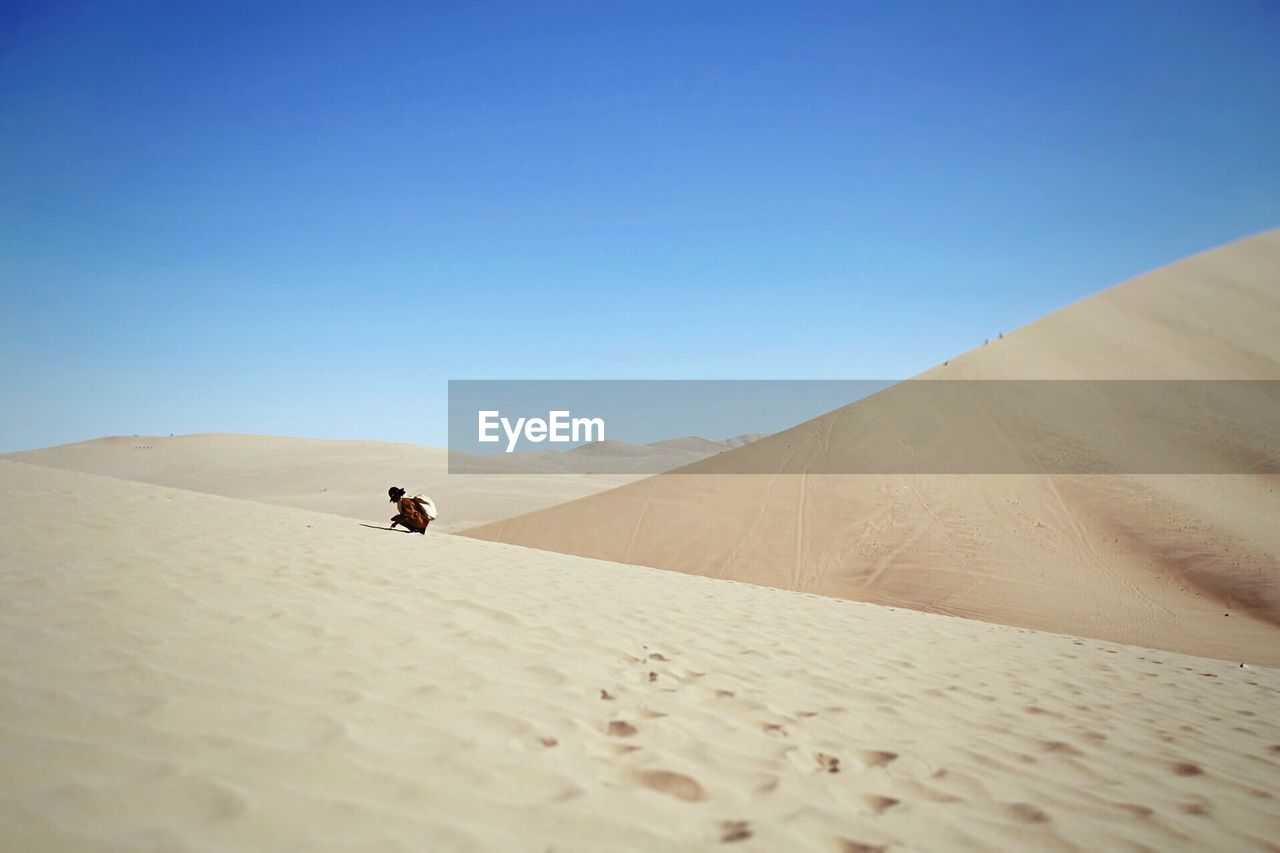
<point x="414" y="513"/>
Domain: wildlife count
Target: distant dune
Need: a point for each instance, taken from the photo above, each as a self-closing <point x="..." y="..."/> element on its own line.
<point x="699" y="444"/>
<point x="351" y="477"/>
<point x="1189" y="563"/>
<point x="181" y="671"/>
<point x="343" y="477"/>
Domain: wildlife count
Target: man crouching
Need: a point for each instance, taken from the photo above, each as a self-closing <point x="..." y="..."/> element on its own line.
<point x="411" y="513"/>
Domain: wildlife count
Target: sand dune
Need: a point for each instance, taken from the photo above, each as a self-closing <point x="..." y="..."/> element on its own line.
<point x="347" y="478"/>
<point x="187" y="671"/>
<point x="1188" y="563"/>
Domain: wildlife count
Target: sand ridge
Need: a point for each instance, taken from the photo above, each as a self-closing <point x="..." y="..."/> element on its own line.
<point x="182" y="671"/>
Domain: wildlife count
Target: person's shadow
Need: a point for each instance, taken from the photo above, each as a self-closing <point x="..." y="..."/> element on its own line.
<point x="386" y="529"/>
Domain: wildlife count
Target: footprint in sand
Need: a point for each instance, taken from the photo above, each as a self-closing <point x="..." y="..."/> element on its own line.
<point x="672" y="784"/>
<point x="1061" y="748"/>
<point x="877" y="758"/>
<point x="847" y="846"/>
<point x="1138" y="810"/>
<point x="621" y="728"/>
<point x="880" y="804"/>
<point x="1028" y="813"/>
<point x="734" y="830"/>
<point x="813" y="762"/>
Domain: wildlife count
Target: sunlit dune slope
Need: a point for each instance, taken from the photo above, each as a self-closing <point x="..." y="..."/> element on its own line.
<point x="186" y="671"/>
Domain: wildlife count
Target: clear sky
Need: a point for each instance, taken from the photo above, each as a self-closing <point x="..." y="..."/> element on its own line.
<point x="245" y="217"/>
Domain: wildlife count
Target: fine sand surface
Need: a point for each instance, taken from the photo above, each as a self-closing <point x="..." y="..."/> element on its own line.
<point x="187" y="671"/>
<point x="1189" y="563"/>
<point x="348" y="478"/>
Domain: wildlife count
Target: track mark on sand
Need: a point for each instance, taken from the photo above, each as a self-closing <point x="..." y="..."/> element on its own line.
<point x="635" y="529"/>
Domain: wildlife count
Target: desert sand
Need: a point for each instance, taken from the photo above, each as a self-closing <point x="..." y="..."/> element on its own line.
<point x="188" y="671"/>
<point x="1188" y="563"/>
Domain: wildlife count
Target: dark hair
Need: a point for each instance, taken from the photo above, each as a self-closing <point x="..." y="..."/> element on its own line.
<point x="395" y="493"/>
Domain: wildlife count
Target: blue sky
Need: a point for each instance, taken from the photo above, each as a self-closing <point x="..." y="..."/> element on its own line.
<point x="252" y="218"/>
